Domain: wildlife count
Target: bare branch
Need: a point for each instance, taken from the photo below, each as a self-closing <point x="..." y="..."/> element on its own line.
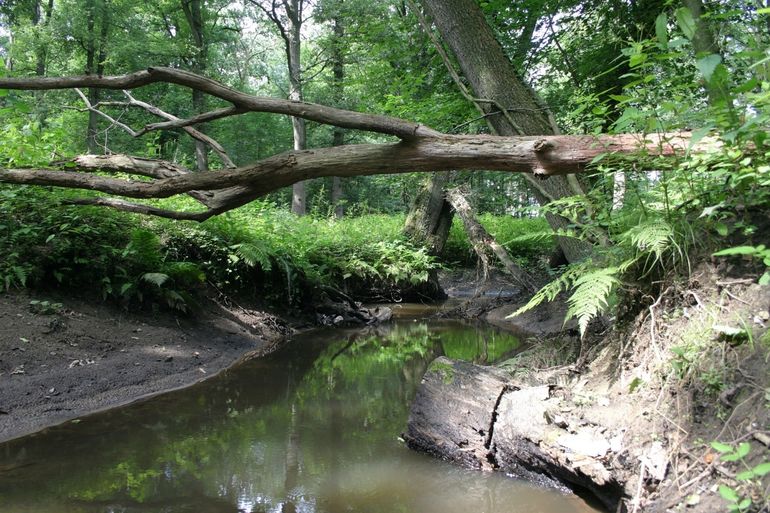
<point x="109" y="118"/>
<point x="138" y="208"/>
<point x="320" y="113"/>
<point x="192" y="132"/>
<point x="200" y="118"/>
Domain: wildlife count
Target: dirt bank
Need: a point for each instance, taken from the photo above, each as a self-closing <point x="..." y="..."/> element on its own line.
<point x="668" y="411"/>
<point x="62" y="358"/>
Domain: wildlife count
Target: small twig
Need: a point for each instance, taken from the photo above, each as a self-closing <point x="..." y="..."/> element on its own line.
<point x="739" y="281"/>
<point x="115" y="122"/>
<point x="638" y="496"/>
<point x="735" y="297"/>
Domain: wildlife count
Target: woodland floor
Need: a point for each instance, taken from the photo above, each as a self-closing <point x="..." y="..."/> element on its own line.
<point x="65" y="358"/>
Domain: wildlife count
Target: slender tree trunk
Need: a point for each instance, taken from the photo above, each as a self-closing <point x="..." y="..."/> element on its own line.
<point x="293" y="48"/>
<point x="514" y="107"/>
<point x="194" y="14"/>
<point x="481" y="240"/>
<point x="40" y="48"/>
<point x="96" y="55"/>
<point x="338" y="94"/>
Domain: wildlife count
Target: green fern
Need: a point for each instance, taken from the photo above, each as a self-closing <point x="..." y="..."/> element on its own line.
<point x="157" y="279"/>
<point x="254" y="254"/>
<point x="144" y="248"/>
<point x="653" y="237"/>
<point x="184" y="273"/>
<point x="551" y="290"/>
<point x="590" y="296"/>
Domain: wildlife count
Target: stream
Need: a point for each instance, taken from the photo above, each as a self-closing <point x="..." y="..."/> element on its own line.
<point x="313" y="427"/>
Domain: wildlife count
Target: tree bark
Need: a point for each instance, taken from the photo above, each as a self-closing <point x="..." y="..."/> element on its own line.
<point x="545" y="156"/>
<point x="481" y="240"/>
<point x="508" y="425"/>
<point x="494" y="80"/>
<point x="194" y="15"/>
<point x="421" y="149"/>
<point x="430" y="215"/>
<point x="338" y="94"/>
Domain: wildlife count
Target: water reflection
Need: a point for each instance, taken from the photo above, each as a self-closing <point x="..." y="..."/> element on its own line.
<point x="313" y="428"/>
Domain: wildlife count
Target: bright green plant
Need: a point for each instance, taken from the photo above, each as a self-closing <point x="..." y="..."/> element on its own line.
<point x="739" y="497"/>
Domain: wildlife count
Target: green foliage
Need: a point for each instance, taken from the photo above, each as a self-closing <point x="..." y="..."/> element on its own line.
<point x="742" y="496"/>
<point x="526" y="239"/>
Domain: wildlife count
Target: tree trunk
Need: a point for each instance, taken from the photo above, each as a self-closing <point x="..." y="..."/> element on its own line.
<point x="194" y="14"/>
<point x="293" y="48"/>
<point x="41" y="20"/>
<point x="494" y="81"/>
<point x="96" y="55"/>
<point x="482" y="240"/>
<point x="483" y="418"/>
<point x="338" y="94"/>
<point x="704" y="44"/>
<point x="430" y="216"/>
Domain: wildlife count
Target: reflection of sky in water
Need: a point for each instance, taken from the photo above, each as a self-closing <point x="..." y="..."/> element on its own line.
<point x="313" y="428"/>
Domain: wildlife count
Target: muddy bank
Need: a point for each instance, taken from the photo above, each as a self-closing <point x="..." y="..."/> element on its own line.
<point x="62" y="358"/>
<point x="629" y="413"/>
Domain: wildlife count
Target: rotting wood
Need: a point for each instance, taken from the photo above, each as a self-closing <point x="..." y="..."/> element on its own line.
<point x="508" y="424"/>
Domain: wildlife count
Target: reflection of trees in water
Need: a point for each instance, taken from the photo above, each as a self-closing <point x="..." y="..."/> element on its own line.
<point x="270" y="434"/>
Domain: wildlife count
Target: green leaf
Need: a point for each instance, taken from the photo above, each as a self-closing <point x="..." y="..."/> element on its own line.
<point x="765" y="278"/>
<point x="746" y="475"/>
<point x="722" y="229"/>
<point x="728" y="493"/>
<point x="685" y="21"/>
<point x="661" y="29"/>
<point x="738" y="250"/>
<point x="720" y="447"/>
<point x="634" y="385"/>
<point x="744" y="504"/>
<point x="743" y="449"/>
<point x="637" y="59"/>
<point x="706" y="65"/>
<point x="762" y="469"/>
<point x="764" y="10"/>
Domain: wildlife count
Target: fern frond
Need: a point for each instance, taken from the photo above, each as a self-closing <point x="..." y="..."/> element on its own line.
<point x="145" y="248"/>
<point x="254" y="254"/>
<point x="552" y="289"/>
<point x="184" y="272"/>
<point x="591" y="292"/>
<point x="155" y="278"/>
<point x="653" y="237"/>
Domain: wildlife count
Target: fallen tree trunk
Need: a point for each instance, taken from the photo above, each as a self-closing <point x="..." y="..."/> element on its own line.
<point x="482" y="418"/>
<point x="481" y="240"/>
<point x="421" y="149"/>
<point x="542" y="156"/>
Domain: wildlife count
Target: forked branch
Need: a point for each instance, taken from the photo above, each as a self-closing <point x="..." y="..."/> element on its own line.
<point x="420" y="149"/>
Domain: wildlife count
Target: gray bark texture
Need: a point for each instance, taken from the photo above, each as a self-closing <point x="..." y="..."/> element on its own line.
<point x="194" y="15"/>
<point x="482" y="418"/>
<point x="497" y="86"/>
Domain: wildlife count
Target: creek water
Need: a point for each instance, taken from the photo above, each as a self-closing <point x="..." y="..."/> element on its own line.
<point x="313" y="427"/>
